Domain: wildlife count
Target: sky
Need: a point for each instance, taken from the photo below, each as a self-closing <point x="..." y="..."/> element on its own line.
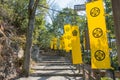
<point x="60" y="4"/>
<point x="65" y="3"/>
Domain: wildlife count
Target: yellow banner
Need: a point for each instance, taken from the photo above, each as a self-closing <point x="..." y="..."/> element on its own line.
<point x="51" y="44"/>
<point x="100" y="57"/>
<point x="60" y="44"/>
<point x="55" y="43"/>
<point x="67" y="42"/>
<point x="67" y="29"/>
<point x="76" y="47"/>
<point x="67" y="37"/>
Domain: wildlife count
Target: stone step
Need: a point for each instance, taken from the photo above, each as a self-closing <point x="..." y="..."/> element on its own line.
<point x="54" y="67"/>
<point x="54" y="64"/>
<point x="58" y="71"/>
<point x="51" y="78"/>
<point x="54" y="61"/>
<point x="63" y="74"/>
<point x="52" y="57"/>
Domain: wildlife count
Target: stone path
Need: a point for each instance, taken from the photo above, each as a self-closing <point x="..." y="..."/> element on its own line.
<point x="54" y="68"/>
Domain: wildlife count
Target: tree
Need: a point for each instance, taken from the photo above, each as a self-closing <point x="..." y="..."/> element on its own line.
<point x="116" y="12"/>
<point x="20" y="16"/>
<point x="66" y="16"/>
<point x="40" y="23"/>
<point x="31" y="14"/>
<point x="6" y="13"/>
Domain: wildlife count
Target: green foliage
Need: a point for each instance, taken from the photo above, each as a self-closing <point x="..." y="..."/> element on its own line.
<point x="109" y="16"/>
<point x="111" y="34"/>
<point x="14" y="12"/>
<point x="20" y="19"/>
<point x="40" y="31"/>
<point x="106" y="78"/>
<point x="66" y="16"/>
<point x="6" y="13"/>
<point x="114" y="61"/>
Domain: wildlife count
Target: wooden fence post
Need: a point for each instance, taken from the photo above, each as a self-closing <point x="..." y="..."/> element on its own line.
<point x="83" y="72"/>
<point x="89" y="74"/>
<point x="96" y="73"/>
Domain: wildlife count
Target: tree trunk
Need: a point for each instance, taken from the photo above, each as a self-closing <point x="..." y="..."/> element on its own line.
<point x="116" y="15"/>
<point x="2" y="1"/>
<point x="31" y="13"/>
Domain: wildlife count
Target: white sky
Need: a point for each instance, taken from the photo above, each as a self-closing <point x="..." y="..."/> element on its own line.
<point x="60" y="4"/>
<point x="66" y="3"/>
<point x="63" y="3"/>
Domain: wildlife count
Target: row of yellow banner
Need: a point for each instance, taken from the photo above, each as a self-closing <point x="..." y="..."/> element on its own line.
<point x="70" y="40"/>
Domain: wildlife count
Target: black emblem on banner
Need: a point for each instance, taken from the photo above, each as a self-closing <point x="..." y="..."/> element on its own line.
<point x="74" y="33"/>
<point x="99" y="55"/>
<point x="94" y="12"/>
<point x="97" y="32"/>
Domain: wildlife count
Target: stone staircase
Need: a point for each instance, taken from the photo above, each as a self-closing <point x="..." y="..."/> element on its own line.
<point x="53" y="67"/>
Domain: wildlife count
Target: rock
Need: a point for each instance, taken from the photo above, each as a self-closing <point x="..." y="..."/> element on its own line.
<point x="35" y="53"/>
<point x="20" y="53"/>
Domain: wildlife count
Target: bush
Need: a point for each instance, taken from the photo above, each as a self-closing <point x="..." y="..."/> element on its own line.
<point x="106" y="78"/>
